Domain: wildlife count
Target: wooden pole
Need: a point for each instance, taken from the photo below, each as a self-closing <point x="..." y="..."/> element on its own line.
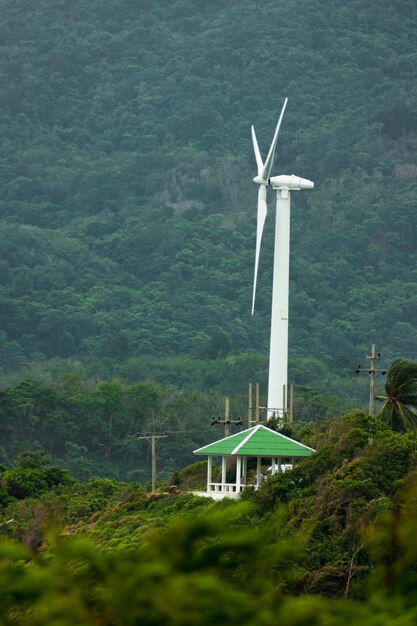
<point x="372" y="381"/>
<point x="250" y="405"/>
<point x="152" y="437"/>
<point x="153" y="447"/>
<point x="372" y="370"/>
<point x="226" y="417"/>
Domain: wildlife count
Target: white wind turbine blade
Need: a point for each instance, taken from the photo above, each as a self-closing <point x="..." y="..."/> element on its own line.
<point x="258" y="158"/>
<point x="262" y="211"/>
<point x="266" y="170"/>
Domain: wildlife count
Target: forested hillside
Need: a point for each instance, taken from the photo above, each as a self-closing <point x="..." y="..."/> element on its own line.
<point x="127" y="210"/>
<point x="91" y="428"/>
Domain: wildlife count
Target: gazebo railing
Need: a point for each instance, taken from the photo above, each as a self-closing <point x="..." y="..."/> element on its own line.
<point x="225" y="487"/>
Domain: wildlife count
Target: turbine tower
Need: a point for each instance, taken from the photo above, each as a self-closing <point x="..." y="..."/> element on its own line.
<point x="284" y="184"/>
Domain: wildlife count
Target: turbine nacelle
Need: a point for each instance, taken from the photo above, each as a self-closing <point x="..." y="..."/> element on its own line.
<point x="263" y="178"/>
<point x="292" y="183"/>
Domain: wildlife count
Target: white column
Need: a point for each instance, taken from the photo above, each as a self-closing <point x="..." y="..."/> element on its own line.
<point x="223" y="472"/>
<point x="278" y="352"/>
<point x="258" y="470"/>
<point x="273" y="465"/>
<point x="245" y="470"/>
<point x="238" y="473"/>
<point x="209" y="471"/>
<point x="279" y="464"/>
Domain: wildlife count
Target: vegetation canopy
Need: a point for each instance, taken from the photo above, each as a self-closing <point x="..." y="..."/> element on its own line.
<point x="328" y="542"/>
<point x="399" y="408"/>
<point x="127" y="212"/>
<point x="127" y="239"/>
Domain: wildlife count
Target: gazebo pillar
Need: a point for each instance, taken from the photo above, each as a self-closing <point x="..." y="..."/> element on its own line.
<point x="209" y="471"/>
<point x="245" y="470"/>
<point x="238" y="472"/>
<point x="258" y="469"/>
<point x="224" y="468"/>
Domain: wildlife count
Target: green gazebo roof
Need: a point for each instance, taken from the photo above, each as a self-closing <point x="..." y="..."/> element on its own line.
<point x="256" y="441"/>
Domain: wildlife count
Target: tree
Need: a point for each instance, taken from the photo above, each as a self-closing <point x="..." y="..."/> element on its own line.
<point x="218" y="347"/>
<point x="399" y="407"/>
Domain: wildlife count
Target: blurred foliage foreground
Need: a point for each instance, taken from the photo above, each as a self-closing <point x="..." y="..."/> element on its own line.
<point x="212" y="569"/>
<point x="331" y="542"/>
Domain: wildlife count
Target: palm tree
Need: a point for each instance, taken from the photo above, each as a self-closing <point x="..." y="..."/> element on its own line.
<point x="399" y="408"/>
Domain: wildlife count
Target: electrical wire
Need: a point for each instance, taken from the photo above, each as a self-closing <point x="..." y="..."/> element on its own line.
<point x="122" y="448"/>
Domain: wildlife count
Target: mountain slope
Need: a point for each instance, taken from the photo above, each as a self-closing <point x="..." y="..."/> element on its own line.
<point x="127" y="209"/>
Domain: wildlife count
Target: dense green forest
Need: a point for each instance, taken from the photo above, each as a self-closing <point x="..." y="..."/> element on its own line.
<point x="91" y="428"/>
<point x="127" y="208"/>
<point x="127" y="239"/>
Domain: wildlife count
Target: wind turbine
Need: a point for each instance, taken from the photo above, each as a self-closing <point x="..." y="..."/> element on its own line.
<point x="284" y="184"/>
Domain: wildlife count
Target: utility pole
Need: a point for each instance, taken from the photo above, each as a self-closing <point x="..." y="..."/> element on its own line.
<point x="226" y="421"/>
<point x="257" y="407"/>
<point x="374" y="356"/>
<point x="251" y="421"/>
<point x="283" y="413"/>
<point x="250" y="405"/>
<point x="292" y="403"/>
<point x="152" y="437"/>
<point x="275" y="411"/>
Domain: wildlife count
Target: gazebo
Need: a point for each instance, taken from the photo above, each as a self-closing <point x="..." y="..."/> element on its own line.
<point x="257" y="442"/>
